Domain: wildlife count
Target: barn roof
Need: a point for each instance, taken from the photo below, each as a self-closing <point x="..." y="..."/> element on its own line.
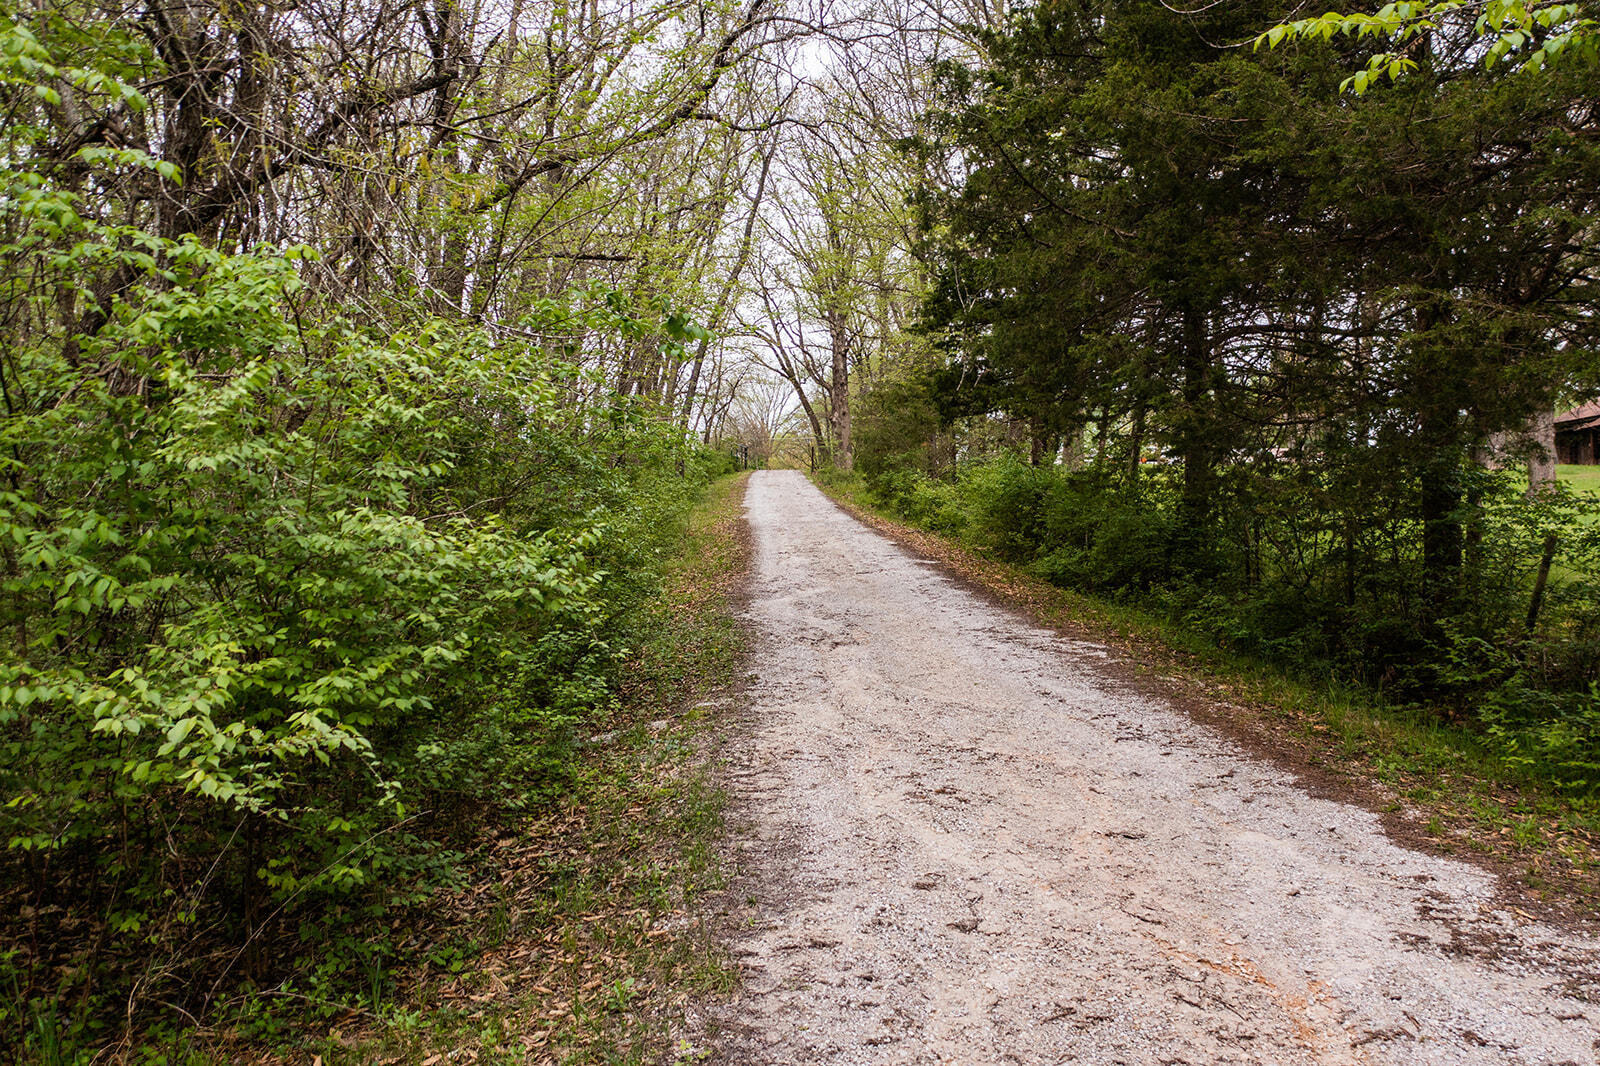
<point x="1584" y="416"/>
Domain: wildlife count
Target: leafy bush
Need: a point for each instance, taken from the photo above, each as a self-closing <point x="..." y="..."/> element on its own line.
<point x="896" y="430"/>
<point x="1005" y="500"/>
<point x="286" y="601"/>
<point x="1555" y="733"/>
<point x="918" y="498"/>
<point x="1097" y="539"/>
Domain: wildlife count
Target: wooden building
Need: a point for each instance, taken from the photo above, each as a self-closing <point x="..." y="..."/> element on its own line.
<point x="1578" y="435"/>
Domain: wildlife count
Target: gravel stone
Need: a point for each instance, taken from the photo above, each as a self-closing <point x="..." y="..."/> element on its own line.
<point x="961" y="843"/>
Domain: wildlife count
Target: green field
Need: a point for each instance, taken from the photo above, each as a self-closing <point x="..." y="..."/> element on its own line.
<point x="1580" y="478"/>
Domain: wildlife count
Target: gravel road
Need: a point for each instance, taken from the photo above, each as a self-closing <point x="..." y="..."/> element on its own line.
<point x="967" y="840"/>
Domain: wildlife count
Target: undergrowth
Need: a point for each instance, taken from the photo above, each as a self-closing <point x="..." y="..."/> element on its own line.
<point x="576" y="940"/>
<point x="564" y="933"/>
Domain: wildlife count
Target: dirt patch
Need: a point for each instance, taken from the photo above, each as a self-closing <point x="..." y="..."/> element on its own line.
<point x="969" y="839"/>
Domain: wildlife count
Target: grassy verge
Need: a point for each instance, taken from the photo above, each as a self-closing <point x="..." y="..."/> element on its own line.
<point x="1580" y="478"/>
<point x="575" y="939"/>
<point x="1434" y="784"/>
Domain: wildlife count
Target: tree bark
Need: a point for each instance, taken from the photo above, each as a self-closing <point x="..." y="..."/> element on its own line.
<point x="1542" y="460"/>
<point x="1195" y="447"/>
<point x="839" y="391"/>
<point x="1439" y="508"/>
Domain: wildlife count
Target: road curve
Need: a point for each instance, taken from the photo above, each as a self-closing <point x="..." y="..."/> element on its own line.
<point x="964" y="840"/>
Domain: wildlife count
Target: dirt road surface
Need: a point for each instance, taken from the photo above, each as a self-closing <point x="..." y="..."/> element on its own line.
<point x="966" y="840"/>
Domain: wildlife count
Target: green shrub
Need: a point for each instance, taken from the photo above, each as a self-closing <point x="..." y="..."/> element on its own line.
<point x="1005" y="501"/>
<point x="1095" y="538"/>
<point x="287" y="602"/>
<point x="896" y="425"/>
<point x="918" y="498"/>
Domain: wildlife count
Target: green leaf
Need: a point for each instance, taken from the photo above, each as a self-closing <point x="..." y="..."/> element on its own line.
<point x="179" y="730"/>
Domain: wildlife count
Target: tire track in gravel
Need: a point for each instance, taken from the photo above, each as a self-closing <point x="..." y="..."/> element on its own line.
<point x="965" y="841"/>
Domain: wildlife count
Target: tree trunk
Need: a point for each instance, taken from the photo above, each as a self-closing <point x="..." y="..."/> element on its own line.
<point x="1440" y="510"/>
<point x="1135" y="440"/>
<point x="839" y="392"/>
<point x="1194" y="446"/>
<point x="1038" y="440"/>
<point x="1542" y="460"/>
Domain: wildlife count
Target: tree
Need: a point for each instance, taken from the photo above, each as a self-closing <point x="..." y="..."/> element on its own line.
<point x="1532" y="35"/>
<point x="1161" y="235"/>
<point x="338" y="395"/>
<point x="833" y="280"/>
